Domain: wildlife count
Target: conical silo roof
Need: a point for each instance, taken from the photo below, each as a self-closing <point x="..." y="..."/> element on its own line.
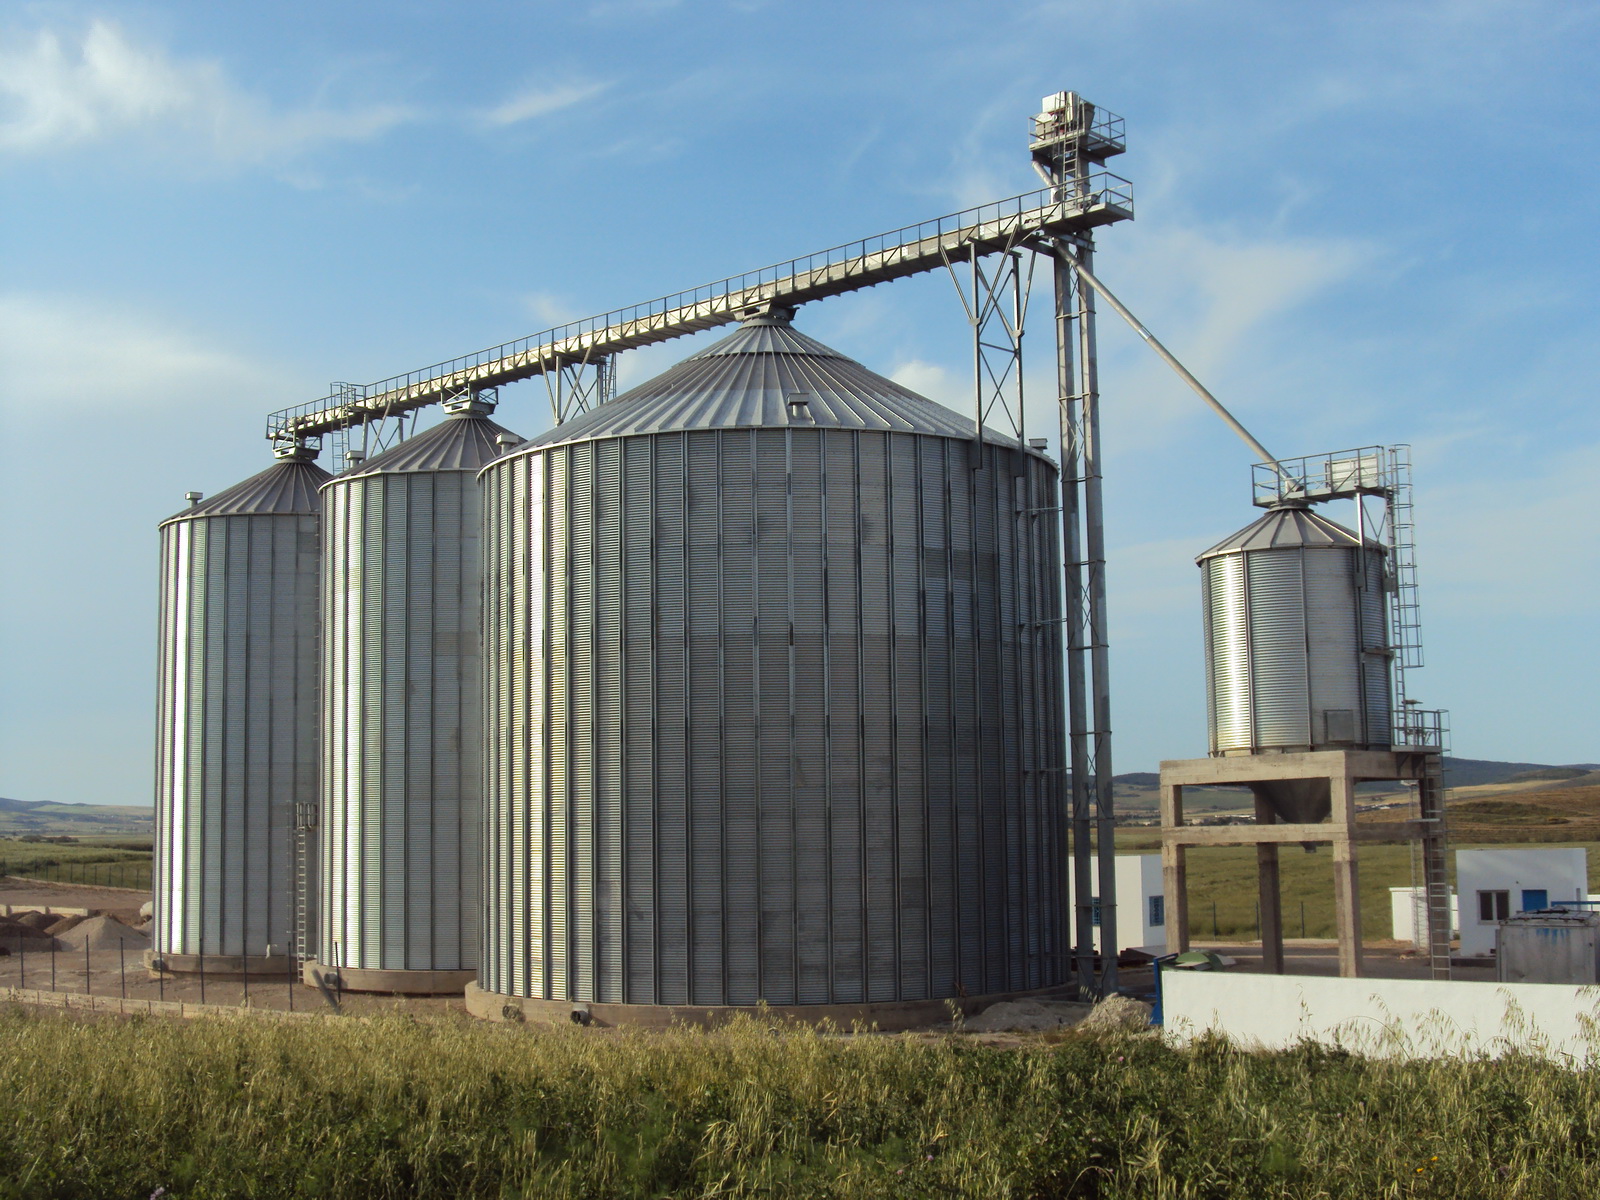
<point x="1284" y="529"/>
<point x="461" y="442"/>
<point x="285" y="487"/>
<point x="748" y="379"/>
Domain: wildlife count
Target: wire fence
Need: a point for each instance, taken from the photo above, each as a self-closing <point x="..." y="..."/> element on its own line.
<point x="125" y="971"/>
<point x="132" y="873"/>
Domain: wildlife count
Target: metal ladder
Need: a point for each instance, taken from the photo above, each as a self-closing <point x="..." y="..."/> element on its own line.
<point x="1429" y="861"/>
<point x="305" y="845"/>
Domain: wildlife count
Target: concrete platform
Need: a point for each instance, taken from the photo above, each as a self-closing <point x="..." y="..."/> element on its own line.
<point x="221" y="966"/>
<point x="394" y="983"/>
<point x="885" y="1016"/>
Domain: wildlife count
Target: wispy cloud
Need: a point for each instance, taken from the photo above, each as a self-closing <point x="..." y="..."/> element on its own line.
<point x="541" y="101"/>
<point x="59" y="90"/>
<point x="62" y="353"/>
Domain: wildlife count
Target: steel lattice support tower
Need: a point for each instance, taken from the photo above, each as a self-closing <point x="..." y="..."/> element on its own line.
<point x="1070" y="139"/>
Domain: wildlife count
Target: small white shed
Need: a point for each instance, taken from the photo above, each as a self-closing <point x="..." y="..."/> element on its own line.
<point x="1141" y="903"/>
<point x="1493" y="884"/>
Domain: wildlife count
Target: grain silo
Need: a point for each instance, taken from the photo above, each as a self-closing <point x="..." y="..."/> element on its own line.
<point x="773" y="685"/>
<point x="402" y="735"/>
<point x="1297" y="645"/>
<point x="236" y="750"/>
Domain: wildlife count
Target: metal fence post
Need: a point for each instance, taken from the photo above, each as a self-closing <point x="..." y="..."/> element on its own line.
<point x="88" y="976"/>
<point x="122" y="965"/>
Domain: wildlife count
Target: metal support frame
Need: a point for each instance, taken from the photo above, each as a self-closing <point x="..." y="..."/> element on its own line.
<point x="994" y="294"/>
<point x="1070" y="139"/>
<point x="580" y="385"/>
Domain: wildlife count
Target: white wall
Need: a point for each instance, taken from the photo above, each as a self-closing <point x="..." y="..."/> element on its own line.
<point x="1408" y="913"/>
<point x="1561" y="872"/>
<point x="1406" y="1018"/>
<point x="1138" y="880"/>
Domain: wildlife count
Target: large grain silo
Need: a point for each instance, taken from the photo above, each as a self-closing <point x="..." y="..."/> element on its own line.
<point x="772" y="684"/>
<point x="236" y="719"/>
<point x="402" y="732"/>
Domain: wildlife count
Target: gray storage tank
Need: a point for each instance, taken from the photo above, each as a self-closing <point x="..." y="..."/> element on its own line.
<point x="236" y="719"/>
<point x="402" y="732"/>
<point x="1297" y="647"/>
<point x="773" y="693"/>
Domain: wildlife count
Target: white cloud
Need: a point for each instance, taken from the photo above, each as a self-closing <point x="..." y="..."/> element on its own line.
<point x="549" y="309"/>
<point x="936" y="382"/>
<point x="64" y="354"/>
<point x="541" y="101"/>
<point x="58" y="91"/>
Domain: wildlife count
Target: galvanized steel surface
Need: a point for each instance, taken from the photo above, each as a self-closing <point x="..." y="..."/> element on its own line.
<point x="777" y="715"/>
<point x="402" y="734"/>
<point x="236" y="713"/>
<point x="1296" y="637"/>
<point x="770" y="375"/>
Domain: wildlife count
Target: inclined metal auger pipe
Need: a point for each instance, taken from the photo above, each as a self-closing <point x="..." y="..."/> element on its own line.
<point x="1171" y="360"/>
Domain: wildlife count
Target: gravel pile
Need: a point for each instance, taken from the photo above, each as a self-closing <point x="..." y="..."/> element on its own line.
<point x="62" y="924"/>
<point x="1117" y="1013"/>
<point x="102" y="933"/>
<point x="1026" y="1016"/>
<point x="34" y="920"/>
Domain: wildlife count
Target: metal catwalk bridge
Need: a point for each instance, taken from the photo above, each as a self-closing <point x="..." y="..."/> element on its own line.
<point x="1099" y="199"/>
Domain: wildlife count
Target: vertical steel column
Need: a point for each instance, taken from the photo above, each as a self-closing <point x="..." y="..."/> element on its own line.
<point x="1066" y="286"/>
<point x="1099" y="639"/>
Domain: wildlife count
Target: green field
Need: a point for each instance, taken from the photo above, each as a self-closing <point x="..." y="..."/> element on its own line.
<point x="109" y="861"/>
<point x="397" y="1107"/>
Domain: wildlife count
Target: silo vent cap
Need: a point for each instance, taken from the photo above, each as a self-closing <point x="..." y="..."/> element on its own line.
<point x="194" y="498"/>
<point x="354" y="456"/>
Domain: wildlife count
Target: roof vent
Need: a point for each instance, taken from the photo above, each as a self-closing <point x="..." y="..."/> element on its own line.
<point x="355" y="456"/>
<point x="1039" y="443"/>
<point x="505" y="439"/>
<point x="194" y="498"/>
<point x="799" y="406"/>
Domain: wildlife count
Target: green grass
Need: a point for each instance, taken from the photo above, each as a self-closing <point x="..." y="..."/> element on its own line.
<point x="111" y="861"/>
<point x="394" y="1107"/>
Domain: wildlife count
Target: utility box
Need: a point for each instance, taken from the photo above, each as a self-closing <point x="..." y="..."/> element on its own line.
<point x="1548" y="947"/>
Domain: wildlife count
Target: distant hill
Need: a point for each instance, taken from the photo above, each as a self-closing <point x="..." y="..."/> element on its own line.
<point x="50" y="817"/>
<point x="1473" y="772"/>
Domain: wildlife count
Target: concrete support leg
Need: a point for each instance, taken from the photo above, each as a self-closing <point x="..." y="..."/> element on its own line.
<point x="1175" y="883"/>
<point x="1271" y="904"/>
<point x="1174" y="871"/>
<point x="1346" y="884"/>
<point x="1271" y="909"/>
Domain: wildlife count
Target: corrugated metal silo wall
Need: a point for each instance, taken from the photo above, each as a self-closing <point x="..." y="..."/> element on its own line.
<point x="777" y="715"/>
<point x="402" y="730"/>
<point x="236" y="721"/>
<point x="1290" y="634"/>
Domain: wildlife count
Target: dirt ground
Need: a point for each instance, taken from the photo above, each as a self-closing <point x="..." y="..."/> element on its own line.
<point x="110" y="973"/>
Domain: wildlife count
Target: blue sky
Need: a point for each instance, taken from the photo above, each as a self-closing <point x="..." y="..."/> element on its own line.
<point x="1358" y="223"/>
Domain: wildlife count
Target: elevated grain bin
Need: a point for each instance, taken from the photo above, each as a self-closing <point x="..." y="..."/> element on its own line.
<point x="402" y="734"/>
<point x="1297" y="646"/>
<point x="772" y="686"/>
<point x="236" y="719"/>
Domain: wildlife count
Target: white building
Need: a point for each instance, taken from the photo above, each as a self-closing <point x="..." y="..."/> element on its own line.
<point x="1141" y="903"/>
<point x="1493" y="884"/>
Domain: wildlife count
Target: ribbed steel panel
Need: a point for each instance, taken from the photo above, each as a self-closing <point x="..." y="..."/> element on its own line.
<point x="402" y="747"/>
<point x="749" y="379"/>
<point x="802" y="708"/>
<point x="236" y="713"/>
<point x="1296" y="641"/>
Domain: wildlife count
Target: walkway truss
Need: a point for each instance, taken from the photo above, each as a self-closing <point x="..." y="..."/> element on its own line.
<point x="989" y="253"/>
